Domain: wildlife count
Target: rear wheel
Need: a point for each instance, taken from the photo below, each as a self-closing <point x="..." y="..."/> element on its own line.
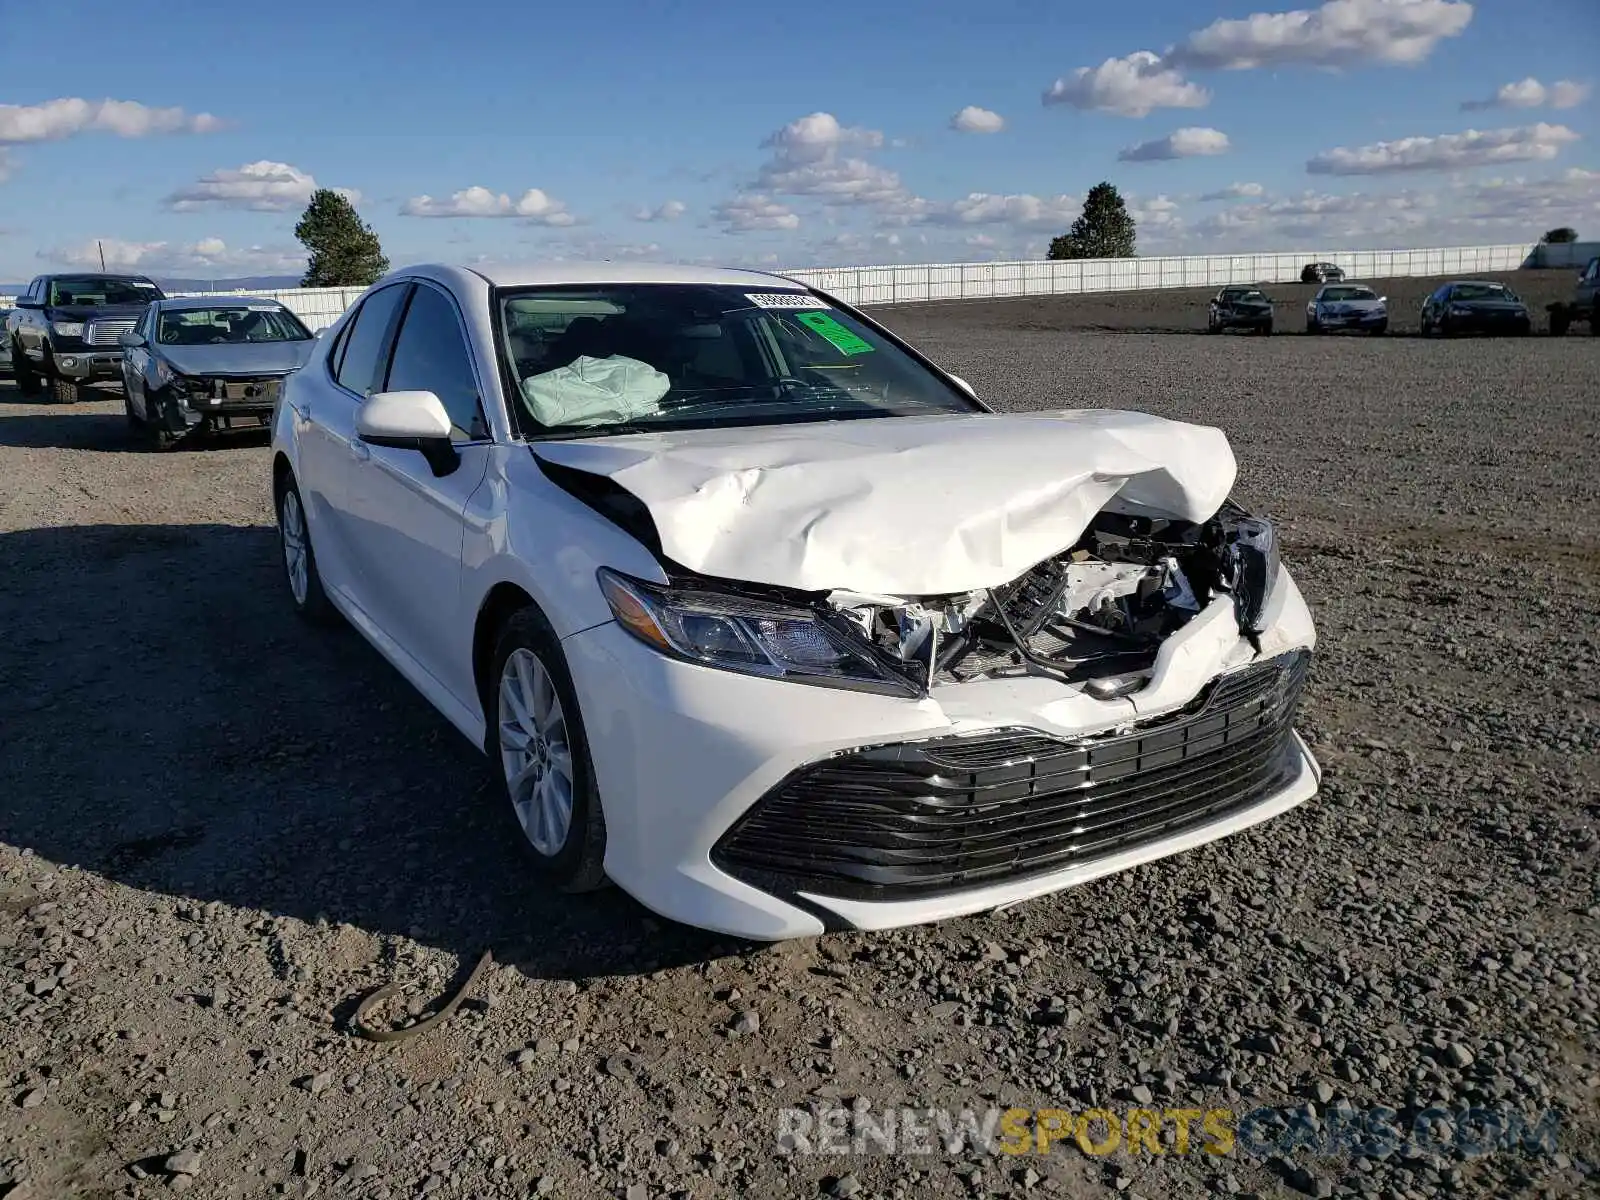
<point x="536" y="737"/>
<point x="299" y="560"/>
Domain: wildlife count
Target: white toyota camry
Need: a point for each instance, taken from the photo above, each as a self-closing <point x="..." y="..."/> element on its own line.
<point x="766" y="618"/>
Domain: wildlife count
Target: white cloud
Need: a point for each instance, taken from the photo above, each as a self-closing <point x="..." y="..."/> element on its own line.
<point x="1193" y="142"/>
<point x="5" y="165"/>
<point x="810" y="158"/>
<point x="259" y="187"/>
<point x="1530" y="93"/>
<point x="1566" y="198"/>
<point x="207" y="257"/>
<point x="1129" y="87"/>
<point x="818" y="137"/>
<point x="1339" y="33"/>
<point x="749" y="213"/>
<point x="534" y="206"/>
<point x="670" y="211"/>
<point x="1019" y="211"/>
<point x="1236" y="191"/>
<point x="973" y="119"/>
<point x="57" y="119"/>
<point x="1450" y="151"/>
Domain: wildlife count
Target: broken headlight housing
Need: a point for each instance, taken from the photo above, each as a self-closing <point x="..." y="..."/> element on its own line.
<point x="747" y="635"/>
<point x="1250" y="568"/>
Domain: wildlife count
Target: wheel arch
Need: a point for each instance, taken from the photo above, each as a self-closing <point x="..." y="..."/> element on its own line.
<point x="503" y="601"/>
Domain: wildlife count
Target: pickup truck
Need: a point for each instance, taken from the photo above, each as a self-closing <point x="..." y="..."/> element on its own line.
<point x="65" y="329"/>
<point x="1582" y="307"/>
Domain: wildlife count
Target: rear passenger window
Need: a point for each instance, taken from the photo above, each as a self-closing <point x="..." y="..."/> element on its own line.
<point x="430" y="355"/>
<point x="361" y="365"/>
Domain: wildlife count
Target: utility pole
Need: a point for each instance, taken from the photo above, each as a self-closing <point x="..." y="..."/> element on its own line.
<point x="102" y="250"/>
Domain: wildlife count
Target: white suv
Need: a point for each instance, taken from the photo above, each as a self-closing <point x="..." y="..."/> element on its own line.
<point x="767" y="619"/>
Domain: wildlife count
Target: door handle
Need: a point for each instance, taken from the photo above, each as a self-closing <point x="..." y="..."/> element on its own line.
<point x="359" y="450"/>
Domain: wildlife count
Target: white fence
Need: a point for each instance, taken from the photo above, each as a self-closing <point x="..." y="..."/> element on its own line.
<point x="320" y="307"/>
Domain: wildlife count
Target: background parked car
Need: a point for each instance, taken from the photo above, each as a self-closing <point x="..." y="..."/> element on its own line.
<point x="1321" y="272"/>
<point x="1584" y="305"/>
<point x="1239" y="307"/>
<point x="1471" y="306"/>
<point x="1347" y="306"/>
<point x="64" y="329"/>
<point x="205" y="363"/>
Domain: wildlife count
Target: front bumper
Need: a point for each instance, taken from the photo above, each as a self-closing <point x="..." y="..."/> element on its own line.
<point x="686" y="758"/>
<point x="218" y="403"/>
<point x="1244" y="320"/>
<point x="1366" y="320"/>
<point x="88" y="366"/>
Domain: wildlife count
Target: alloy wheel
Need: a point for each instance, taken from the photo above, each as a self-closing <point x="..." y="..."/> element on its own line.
<point x="296" y="550"/>
<point x="535" y="754"/>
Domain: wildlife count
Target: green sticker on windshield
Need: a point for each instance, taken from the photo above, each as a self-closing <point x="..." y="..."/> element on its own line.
<point x="842" y="339"/>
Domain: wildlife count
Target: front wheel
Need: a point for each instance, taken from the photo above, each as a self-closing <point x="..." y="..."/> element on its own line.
<point x="27" y="378"/>
<point x="1266" y="329"/>
<point x="1312" y="326"/>
<point x="1380" y="330"/>
<point x="536" y="737"/>
<point x="299" y="559"/>
<point x="62" y="389"/>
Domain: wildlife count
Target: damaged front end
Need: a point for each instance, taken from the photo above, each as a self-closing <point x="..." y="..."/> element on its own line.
<point x="1095" y="615"/>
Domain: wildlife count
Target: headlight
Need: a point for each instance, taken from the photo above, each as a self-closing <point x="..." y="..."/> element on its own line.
<point x="746" y="635"/>
<point x="1250" y="565"/>
<point x="70" y="329"/>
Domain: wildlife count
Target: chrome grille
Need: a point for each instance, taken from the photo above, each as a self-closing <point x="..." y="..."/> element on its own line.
<point x="106" y="333"/>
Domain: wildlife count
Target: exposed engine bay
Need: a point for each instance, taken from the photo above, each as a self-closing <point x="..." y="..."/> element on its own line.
<point x="1098" y="611"/>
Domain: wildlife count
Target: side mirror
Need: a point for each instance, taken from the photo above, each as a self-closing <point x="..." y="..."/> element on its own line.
<point x="131" y="340"/>
<point x="963" y="385"/>
<point x="409" y="421"/>
<point x="27" y="304"/>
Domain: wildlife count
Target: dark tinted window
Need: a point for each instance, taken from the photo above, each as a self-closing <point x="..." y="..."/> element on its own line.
<point x="430" y="355"/>
<point x="360" y="369"/>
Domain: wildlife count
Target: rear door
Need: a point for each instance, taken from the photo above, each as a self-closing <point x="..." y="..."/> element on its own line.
<point x="326" y="419"/>
<point x="407" y="524"/>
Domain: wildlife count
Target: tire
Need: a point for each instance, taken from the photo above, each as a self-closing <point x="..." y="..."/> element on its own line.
<point x="311" y="603"/>
<point x="1266" y="330"/>
<point x="135" y="422"/>
<point x="1594" y="323"/>
<point x="1380" y="330"/>
<point x="1559" y="323"/>
<point x="1312" y="326"/>
<point x="528" y="665"/>
<point x="28" y="381"/>
<point x="62" y="391"/>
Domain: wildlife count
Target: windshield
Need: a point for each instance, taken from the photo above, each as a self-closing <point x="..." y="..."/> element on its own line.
<point x="1349" y="293"/>
<point x="234" y="324"/>
<point x="1244" y="294"/>
<point x="637" y="357"/>
<point x="1481" y="291"/>
<point x="89" y="292"/>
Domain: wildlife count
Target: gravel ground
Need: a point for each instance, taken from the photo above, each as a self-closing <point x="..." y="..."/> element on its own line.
<point x="218" y="829"/>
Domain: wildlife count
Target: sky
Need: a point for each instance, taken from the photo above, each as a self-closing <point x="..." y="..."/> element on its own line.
<point x="188" y="139"/>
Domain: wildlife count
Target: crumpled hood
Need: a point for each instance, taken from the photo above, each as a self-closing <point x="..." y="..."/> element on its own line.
<point x="907" y="506"/>
<point x="238" y="358"/>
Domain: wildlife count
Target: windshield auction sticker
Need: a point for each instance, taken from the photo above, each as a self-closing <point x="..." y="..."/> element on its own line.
<point x="784" y="300"/>
<point x="844" y="341"/>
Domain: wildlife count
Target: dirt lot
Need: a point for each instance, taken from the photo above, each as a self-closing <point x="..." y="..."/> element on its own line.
<point x="218" y="828"/>
<point x="1183" y="310"/>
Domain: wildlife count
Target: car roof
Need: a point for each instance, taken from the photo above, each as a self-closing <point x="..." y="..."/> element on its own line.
<point x="556" y="273"/>
<point x="97" y="275"/>
<point x="1475" y="283"/>
<point x="182" y="303"/>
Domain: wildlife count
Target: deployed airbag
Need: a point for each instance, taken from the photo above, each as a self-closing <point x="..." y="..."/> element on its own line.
<point x="907" y="506"/>
<point x="595" y="391"/>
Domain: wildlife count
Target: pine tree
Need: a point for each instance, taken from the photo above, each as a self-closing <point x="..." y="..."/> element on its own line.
<point x="343" y="251"/>
<point x="1103" y="230"/>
